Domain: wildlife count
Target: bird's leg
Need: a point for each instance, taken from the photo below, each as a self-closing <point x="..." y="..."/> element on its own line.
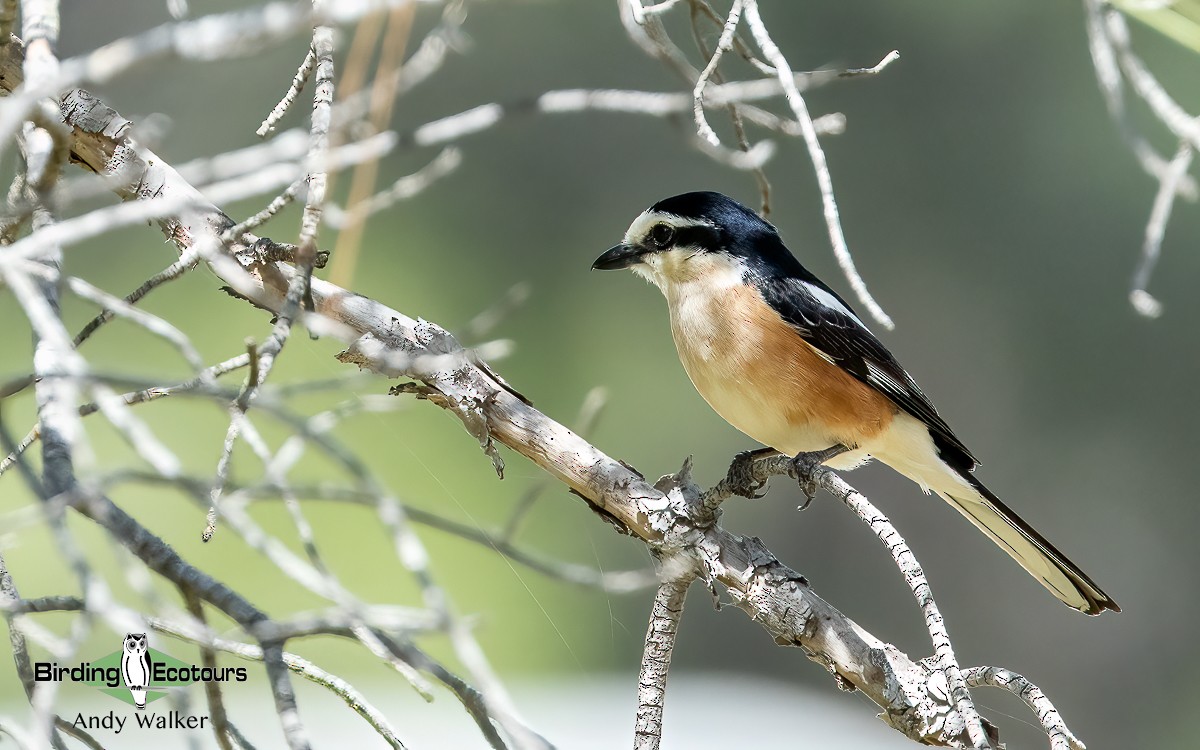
<point x="742" y="479"/>
<point x="804" y="469"/>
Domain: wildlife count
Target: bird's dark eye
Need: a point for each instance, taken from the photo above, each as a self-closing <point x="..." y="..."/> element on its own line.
<point x="662" y="235"/>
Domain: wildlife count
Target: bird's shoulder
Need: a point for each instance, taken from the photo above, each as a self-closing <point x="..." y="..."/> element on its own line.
<point x="827" y="323"/>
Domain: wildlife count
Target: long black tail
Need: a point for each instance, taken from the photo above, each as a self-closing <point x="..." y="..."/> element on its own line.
<point x="1029" y="548"/>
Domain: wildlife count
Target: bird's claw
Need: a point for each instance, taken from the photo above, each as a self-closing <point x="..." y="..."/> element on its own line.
<point x="741" y="477"/>
<point x="810" y="493"/>
<point x="805" y="467"/>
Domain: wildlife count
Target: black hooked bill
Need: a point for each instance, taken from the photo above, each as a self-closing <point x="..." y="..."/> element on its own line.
<point x="621" y="256"/>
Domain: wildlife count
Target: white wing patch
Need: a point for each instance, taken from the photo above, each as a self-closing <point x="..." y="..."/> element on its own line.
<point x="828" y="300"/>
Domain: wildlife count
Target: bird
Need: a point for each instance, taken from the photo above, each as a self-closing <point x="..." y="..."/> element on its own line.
<point x="135" y="667"/>
<point x="784" y="359"/>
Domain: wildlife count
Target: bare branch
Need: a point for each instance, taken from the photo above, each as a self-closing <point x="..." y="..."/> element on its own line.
<point x="152" y="323"/>
<point x="299" y="665"/>
<point x="161" y="558"/>
<point x="298" y="81"/>
<point x="212" y="689"/>
<point x="275" y="206"/>
<point x="915" y="577"/>
<point x="1156" y="227"/>
<point x="136" y="397"/>
<point x="1108" y="75"/>
<point x="875" y="69"/>
<point x="1117" y="65"/>
<point x="404" y="188"/>
<point x="703" y="129"/>
<point x="1141" y="80"/>
<point x="800" y="110"/>
<point x="665" y="615"/>
<point x="306" y="254"/>
<point x="1061" y="737"/>
<point x="735" y="115"/>
<point x="211" y="37"/>
<point x="185" y="263"/>
<point x="651" y="103"/>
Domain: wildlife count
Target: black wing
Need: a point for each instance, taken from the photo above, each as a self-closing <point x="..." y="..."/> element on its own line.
<point x="826" y="322"/>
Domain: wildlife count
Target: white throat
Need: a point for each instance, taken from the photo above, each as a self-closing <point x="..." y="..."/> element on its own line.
<point x="689" y="272"/>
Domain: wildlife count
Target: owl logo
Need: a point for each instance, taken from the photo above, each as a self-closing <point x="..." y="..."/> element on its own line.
<point x="135" y="667"/>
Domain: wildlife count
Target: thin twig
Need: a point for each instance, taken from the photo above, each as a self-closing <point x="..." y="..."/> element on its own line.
<point x="470" y="698"/>
<point x="357" y="211"/>
<point x="1116" y="65"/>
<point x="305" y="70"/>
<point x="1111" y="82"/>
<point x="185" y="263"/>
<point x="702" y="7"/>
<point x="914" y="575"/>
<point x="317" y="576"/>
<point x="306" y="254"/>
<point x="1061" y="737"/>
<point x="612" y="581"/>
<point x="665" y="615"/>
<point x="162" y="559"/>
<point x="115" y="306"/>
<point x="490" y="317"/>
<point x="832" y="220"/>
<point x="1182" y="124"/>
<point x="276" y="205"/>
<point x="136" y="397"/>
<point x="735" y="114"/>
<point x="703" y="129"/>
<point x="354" y="102"/>
<point x="212" y="688"/>
<point x="46" y="145"/>
<point x="875" y="69"/>
<point x="299" y="665"/>
<point x="661" y="104"/>
<point x="1156" y="228"/>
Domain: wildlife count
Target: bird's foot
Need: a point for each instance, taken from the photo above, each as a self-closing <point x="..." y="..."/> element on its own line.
<point x="804" y="470"/>
<point x="742" y="479"/>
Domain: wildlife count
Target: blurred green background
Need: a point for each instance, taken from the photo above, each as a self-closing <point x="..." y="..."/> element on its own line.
<point x="991" y="208"/>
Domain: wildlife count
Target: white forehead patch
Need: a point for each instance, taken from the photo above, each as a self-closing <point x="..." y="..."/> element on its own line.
<point x="647" y="219"/>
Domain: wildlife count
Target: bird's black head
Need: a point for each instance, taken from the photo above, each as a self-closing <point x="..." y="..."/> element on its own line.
<point x="692" y="225"/>
<point x="714" y="209"/>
